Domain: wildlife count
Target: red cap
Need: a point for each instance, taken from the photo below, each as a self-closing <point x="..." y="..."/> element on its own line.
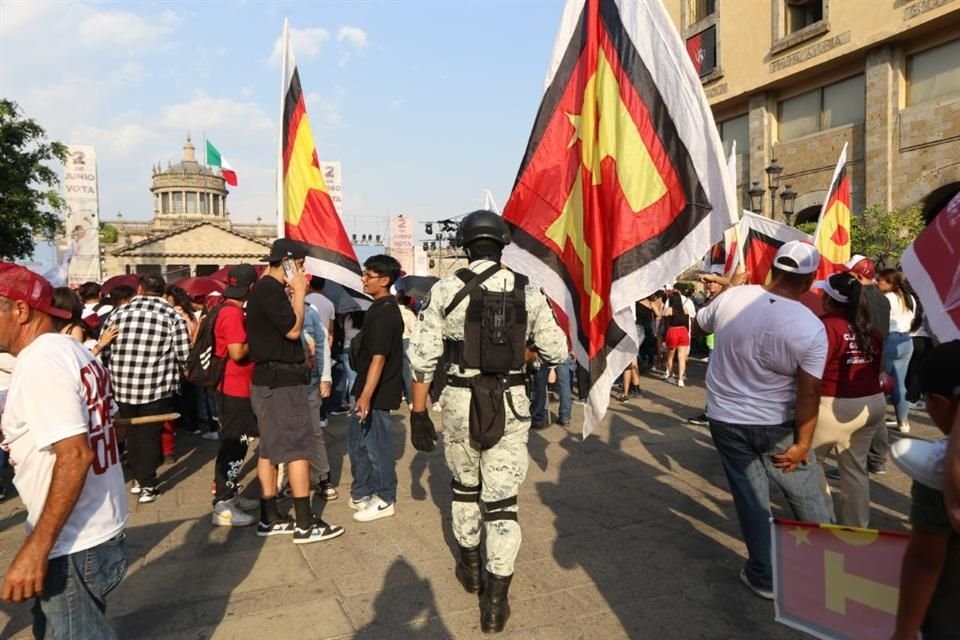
<point x="862" y="266"/>
<point x="19" y="283"/>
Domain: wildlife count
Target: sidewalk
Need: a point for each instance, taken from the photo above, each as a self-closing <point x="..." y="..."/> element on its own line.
<point x="631" y="534"/>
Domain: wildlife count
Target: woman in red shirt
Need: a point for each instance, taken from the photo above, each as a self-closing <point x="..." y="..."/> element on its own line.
<point x="852" y="405"/>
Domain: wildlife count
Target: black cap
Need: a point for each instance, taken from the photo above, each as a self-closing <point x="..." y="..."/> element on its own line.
<point x="285" y="248"/>
<point x="239" y="279"/>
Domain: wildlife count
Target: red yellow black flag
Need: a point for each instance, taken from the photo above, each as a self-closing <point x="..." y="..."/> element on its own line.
<point x="832" y="237"/>
<point x="306" y="211"/>
<point x="623" y="184"/>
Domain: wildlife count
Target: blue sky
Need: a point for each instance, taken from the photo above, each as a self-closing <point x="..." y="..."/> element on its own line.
<point x="425" y="103"/>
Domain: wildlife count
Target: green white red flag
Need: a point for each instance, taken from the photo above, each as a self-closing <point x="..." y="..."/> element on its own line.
<point x="216" y="159"/>
<point x="623" y="184"/>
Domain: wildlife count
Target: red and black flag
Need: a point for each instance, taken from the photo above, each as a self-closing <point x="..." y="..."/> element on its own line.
<point x="306" y="211"/>
<point x="761" y="237"/>
<point x="623" y="184"/>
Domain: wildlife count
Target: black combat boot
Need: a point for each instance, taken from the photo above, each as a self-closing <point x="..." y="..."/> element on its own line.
<point x="468" y="569"/>
<point x="494" y="608"/>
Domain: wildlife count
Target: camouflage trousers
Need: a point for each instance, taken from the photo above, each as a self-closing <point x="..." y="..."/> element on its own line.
<point x="497" y="472"/>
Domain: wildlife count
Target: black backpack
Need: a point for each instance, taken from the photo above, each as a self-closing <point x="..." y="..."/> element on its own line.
<point x="495" y="333"/>
<point x="204" y="368"/>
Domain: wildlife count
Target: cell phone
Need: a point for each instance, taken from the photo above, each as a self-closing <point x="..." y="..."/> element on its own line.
<point x="289" y="269"/>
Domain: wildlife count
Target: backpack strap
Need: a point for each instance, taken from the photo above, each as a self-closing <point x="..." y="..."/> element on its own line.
<point x="470" y="286"/>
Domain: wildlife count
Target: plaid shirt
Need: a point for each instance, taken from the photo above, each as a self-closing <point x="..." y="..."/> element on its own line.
<point x="149" y="352"/>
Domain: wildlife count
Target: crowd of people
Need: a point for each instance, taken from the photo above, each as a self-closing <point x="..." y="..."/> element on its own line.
<point x="269" y="358"/>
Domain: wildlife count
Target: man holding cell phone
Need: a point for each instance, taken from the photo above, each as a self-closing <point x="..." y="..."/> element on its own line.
<point x="278" y="393"/>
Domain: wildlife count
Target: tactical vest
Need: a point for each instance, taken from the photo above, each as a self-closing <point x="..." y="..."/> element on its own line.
<point x="495" y="330"/>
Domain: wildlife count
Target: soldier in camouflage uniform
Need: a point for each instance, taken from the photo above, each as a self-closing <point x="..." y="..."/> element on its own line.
<point x="485" y="480"/>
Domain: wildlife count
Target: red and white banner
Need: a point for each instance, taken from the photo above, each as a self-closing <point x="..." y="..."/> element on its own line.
<point x="932" y="265"/>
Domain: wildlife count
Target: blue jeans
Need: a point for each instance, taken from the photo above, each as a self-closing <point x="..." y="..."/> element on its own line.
<point x="371" y="457"/>
<point x="73" y="605"/>
<point x="746" y="453"/>
<point x="349" y="377"/>
<point x="538" y="404"/>
<point x="406" y="373"/>
<point x="897" y="349"/>
<point x="566" y="371"/>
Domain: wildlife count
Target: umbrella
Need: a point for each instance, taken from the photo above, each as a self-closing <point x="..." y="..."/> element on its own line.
<point x="343" y="299"/>
<point x="416" y="286"/>
<point x="223" y="274"/>
<point x="130" y="280"/>
<point x="199" y="287"/>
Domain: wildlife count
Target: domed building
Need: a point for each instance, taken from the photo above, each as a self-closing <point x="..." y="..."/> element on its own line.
<point x="191" y="233"/>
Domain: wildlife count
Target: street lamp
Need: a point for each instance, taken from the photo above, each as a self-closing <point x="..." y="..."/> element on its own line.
<point x="789" y="197"/>
<point x="773" y="171"/>
<point x="756" y="197"/>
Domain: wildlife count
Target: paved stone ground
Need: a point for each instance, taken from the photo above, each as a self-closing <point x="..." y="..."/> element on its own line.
<point x="631" y="534"/>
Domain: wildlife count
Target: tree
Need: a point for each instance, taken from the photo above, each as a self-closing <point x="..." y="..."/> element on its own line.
<point x="30" y="197"/>
<point x="108" y="233"/>
<point x="883" y="235"/>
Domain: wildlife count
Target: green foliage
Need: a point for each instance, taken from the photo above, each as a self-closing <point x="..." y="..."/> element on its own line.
<point x="883" y="235"/>
<point x="29" y="189"/>
<point x="108" y="233"/>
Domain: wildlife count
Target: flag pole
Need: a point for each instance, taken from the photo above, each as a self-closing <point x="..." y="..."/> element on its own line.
<point x="281" y="205"/>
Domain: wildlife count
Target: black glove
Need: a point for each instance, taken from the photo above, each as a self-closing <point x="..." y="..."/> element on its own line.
<point x="423" y="436"/>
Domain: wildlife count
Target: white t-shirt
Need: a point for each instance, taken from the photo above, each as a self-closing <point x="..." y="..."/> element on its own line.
<point x="60" y="390"/>
<point x="901" y="317"/>
<point x="761" y="341"/>
<point x="324" y="307"/>
<point x="409" y="322"/>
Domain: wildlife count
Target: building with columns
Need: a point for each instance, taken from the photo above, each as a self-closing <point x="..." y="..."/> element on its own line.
<point x="191" y="233"/>
<point x="793" y="80"/>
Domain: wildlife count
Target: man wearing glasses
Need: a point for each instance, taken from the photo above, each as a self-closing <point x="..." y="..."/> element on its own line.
<point x="376" y="354"/>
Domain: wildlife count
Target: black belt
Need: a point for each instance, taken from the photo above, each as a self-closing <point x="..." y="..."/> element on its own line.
<point x="510" y="380"/>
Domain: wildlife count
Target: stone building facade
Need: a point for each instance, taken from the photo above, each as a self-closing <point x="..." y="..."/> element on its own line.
<point x="190" y="233"/>
<point x="793" y="80"/>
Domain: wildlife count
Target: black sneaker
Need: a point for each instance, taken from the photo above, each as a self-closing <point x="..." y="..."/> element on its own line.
<point x="275" y="528"/>
<point x="342" y="411"/>
<point x="318" y="532"/>
<point x="539" y="424"/>
<point x="326" y="490"/>
<point x="700" y="420"/>
<point x="880" y="470"/>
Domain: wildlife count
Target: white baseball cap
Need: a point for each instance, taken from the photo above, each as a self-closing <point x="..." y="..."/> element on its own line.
<point x="797" y="256"/>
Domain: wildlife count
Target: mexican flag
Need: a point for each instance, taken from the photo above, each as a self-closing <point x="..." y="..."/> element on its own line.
<point x="214" y="159"/>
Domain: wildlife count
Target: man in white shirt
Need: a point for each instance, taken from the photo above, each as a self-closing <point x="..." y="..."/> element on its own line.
<point x="763" y="397"/>
<point x="58" y="430"/>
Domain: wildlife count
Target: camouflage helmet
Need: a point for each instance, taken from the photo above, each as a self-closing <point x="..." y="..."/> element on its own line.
<point x="482" y="224"/>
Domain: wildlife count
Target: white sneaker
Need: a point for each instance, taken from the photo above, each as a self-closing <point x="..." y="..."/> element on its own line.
<point x="904" y="428"/>
<point x="226" y="514"/>
<point x="680" y="382"/>
<point x="135" y="488"/>
<point x="361" y="504"/>
<point x="919" y="405"/>
<point x="375" y="510"/>
<point x="324" y="422"/>
<point x="766" y="594"/>
<point x="437" y="408"/>
<point x="666" y="375"/>
<point x="921" y="460"/>
<point x="211" y="435"/>
<point x="244" y="504"/>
